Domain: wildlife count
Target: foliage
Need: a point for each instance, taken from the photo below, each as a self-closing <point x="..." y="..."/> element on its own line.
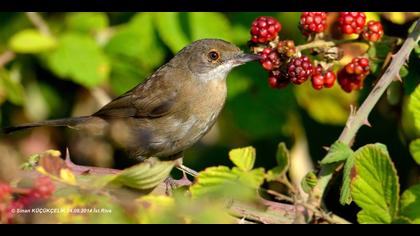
<point x="70" y="69"/>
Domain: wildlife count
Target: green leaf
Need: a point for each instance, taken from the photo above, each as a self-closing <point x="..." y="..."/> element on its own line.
<point x="309" y="182"/>
<point x="345" y="193"/>
<point x="415" y="150"/>
<point x="169" y="28"/>
<point x="146" y="175"/>
<point x="87" y="21"/>
<point x="282" y="158"/>
<point x="403" y="71"/>
<point x="410" y="204"/>
<point x="414" y="106"/>
<point x="253" y="178"/>
<point x="209" y="25"/>
<point x="80" y="59"/>
<point x="244" y="158"/>
<point x="14" y="90"/>
<point x="338" y="152"/>
<point x="31" y="41"/>
<point x="375" y="187"/>
<point x="212" y="179"/>
<point x="136" y="43"/>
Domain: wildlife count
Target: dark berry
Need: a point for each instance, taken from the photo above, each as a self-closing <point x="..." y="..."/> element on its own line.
<point x="275" y="80"/>
<point x="5" y="191"/>
<point x="352" y="22"/>
<point x="299" y="69"/>
<point x="313" y="22"/>
<point x="286" y="48"/>
<point x="373" y="31"/>
<point x="270" y="59"/>
<point x="264" y="29"/>
<point x="351" y="77"/>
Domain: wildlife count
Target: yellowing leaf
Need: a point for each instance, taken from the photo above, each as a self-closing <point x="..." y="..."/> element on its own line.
<point x="244" y="158"/>
<point x="68" y="177"/>
<point x="31" y="41"/>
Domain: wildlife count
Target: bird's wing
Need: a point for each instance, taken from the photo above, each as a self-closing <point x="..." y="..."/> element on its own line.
<point x="153" y="98"/>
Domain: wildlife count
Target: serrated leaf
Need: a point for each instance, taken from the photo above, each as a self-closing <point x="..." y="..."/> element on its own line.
<point x="170" y="30"/>
<point x="212" y="179"/>
<point x="14" y="90"/>
<point x="309" y="182"/>
<point x="410" y="204"/>
<point x="282" y="157"/>
<point x="338" y="152"/>
<point x="80" y="59"/>
<point x="86" y="21"/>
<point x="144" y="176"/>
<point x="244" y="158"/>
<point x="345" y="193"/>
<point x="209" y="25"/>
<point x="375" y="187"/>
<point x="31" y="41"/>
<point x="415" y="150"/>
<point x="414" y="106"/>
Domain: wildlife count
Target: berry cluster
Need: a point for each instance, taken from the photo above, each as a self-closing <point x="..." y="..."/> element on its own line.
<point x="351" y="76"/>
<point x="43" y="189"/>
<point x="287" y="64"/>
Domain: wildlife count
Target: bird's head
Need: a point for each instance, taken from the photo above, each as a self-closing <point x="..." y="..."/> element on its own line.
<point x="212" y="58"/>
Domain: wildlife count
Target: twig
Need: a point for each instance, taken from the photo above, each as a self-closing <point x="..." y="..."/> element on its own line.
<point x="101" y="97"/>
<point x="6" y="57"/>
<point x="39" y="22"/>
<point x="358" y="119"/>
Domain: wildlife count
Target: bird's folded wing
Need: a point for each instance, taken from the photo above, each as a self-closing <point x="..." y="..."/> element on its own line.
<point x="151" y="99"/>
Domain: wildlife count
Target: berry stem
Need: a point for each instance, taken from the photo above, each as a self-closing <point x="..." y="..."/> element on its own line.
<point x="356" y="120"/>
<point x="320" y="43"/>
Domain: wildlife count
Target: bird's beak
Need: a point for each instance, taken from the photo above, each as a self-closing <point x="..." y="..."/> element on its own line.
<point x="245" y="57"/>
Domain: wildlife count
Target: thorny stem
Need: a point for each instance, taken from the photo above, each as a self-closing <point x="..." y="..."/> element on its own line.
<point x="355" y="121"/>
<point x="320" y="43"/>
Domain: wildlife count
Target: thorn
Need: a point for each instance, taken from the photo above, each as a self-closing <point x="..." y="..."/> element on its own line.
<point x="367" y="123"/>
<point x="398" y="78"/>
<point x="326" y="148"/>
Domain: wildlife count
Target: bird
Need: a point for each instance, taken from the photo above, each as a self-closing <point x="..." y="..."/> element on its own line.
<point x="172" y="109"/>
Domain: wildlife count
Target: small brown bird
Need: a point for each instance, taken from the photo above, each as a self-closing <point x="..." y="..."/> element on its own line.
<point x="172" y="109"/>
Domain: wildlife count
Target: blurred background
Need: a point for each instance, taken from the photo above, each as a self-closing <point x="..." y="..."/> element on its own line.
<point x="55" y="65"/>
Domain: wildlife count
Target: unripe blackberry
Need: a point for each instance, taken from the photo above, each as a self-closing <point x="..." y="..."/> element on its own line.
<point x="299" y="69"/>
<point x="352" y="22"/>
<point x="373" y="31"/>
<point x="321" y="78"/>
<point x="351" y="77"/>
<point x="270" y="59"/>
<point x="264" y="29"/>
<point x="313" y="22"/>
<point x="286" y="48"/>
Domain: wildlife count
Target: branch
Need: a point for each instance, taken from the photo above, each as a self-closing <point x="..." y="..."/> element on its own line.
<point x="39" y="22"/>
<point x="359" y="118"/>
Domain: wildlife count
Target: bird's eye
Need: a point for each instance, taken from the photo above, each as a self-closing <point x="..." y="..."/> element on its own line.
<point x="214" y="55"/>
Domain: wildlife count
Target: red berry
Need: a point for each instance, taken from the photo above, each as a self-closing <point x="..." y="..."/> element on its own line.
<point x="5" y="191"/>
<point x="264" y="29"/>
<point x="43" y="189"/>
<point x="329" y="79"/>
<point x="351" y="77"/>
<point x="299" y="69"/>
<point x="352" y="22"/>
<point x="270" y="59"/>
<point x="276" y="81"/>
<point x="373" y="31"/>
<point x="317" y="81"/>
<point x="313" y="22"/>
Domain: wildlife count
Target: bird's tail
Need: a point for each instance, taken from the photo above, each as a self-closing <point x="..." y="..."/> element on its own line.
<point x="59" y="122"/>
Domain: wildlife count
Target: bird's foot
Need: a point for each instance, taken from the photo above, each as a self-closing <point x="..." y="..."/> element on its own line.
<point x="172" y="184"/>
